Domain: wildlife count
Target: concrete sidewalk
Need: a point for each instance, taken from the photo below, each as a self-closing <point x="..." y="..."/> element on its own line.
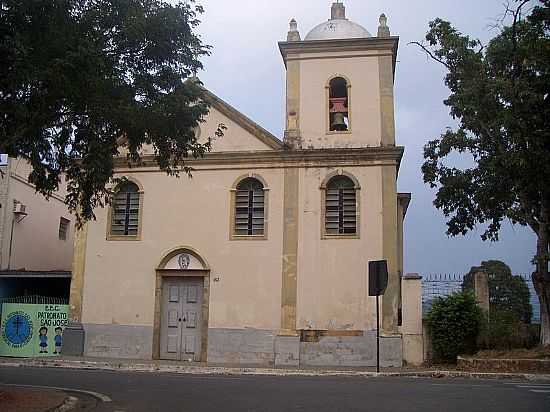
<point x="203" y="369"/>
<point x="25" y="399"/>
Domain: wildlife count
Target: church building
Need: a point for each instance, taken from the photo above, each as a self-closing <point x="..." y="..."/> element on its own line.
<point x="261" y="258"/>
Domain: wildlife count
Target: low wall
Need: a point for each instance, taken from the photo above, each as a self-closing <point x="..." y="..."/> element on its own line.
<point x="503" y="365"/>
<point x="412" y="323"/>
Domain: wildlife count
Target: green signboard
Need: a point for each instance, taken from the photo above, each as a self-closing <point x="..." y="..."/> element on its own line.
<point x="32" y="330"/>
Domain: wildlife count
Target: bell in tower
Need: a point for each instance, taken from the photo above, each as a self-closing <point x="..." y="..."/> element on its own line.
<point x="338" y="105"/>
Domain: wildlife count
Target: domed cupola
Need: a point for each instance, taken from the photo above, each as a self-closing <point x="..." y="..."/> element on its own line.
<point x="338" y="27"/>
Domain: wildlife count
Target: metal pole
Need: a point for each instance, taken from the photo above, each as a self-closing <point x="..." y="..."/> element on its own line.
<point x="377" y="337"/>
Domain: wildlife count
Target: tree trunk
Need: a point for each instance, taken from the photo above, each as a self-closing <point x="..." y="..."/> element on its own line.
<point x="542" y="286"/>
<point x="541" y="278"/>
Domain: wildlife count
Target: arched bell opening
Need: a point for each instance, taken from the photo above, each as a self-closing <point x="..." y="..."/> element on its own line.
<point x="339" y="118"/>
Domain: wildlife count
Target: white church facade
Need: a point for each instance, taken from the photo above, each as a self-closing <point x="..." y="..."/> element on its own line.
<point x="261" y="258"/>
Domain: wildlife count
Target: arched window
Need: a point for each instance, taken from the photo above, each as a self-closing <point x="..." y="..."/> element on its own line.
<point x="125" y="210"/>
<point x="338" y="105"/>
<point x="341" y="206"/>
<point x="249" y="208"/>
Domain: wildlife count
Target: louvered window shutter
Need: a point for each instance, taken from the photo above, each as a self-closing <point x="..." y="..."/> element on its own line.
<point x="125" y="211"/>
<point x="341" y="207"/>
<point x="249" y="208"/>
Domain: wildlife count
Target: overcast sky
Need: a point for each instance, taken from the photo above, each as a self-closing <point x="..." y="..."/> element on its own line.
<point x="247" y="71"/>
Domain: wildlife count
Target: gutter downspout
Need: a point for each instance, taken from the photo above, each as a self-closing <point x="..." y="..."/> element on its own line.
<point x="4" y="211"/>
<point x="11" y="242"/>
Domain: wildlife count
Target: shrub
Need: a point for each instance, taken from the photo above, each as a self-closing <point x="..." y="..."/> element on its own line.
<point x="454" y="323"/>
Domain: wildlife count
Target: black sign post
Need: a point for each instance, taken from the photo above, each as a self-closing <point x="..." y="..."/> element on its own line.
<point x="378" y="282"/>
<point x="377" y="335"/>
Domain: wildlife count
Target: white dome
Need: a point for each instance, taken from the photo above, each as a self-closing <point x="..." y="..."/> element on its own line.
<point x="337" y="29"/>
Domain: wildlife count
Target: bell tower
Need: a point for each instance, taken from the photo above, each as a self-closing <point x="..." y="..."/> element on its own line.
<point x="339" y="86"/>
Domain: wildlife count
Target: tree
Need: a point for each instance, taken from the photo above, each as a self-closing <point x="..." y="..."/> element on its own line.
<point x="499" y="94"/>
<point x="506" y="292"/>
<point x="79" y="79"/>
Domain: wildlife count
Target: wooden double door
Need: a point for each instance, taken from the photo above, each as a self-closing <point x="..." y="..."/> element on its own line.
<point x="181" y="323"/>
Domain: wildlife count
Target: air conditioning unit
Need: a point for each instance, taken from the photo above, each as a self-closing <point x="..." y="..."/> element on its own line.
<point x="19" y="208"/>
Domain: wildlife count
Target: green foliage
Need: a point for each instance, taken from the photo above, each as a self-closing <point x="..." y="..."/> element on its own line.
<point x="507" y="326"/>
<point x="499" y="95"/>
<point x="504" y="330"/>
<point x="506" y="292"/>
<point x="454" y="323"/>
<point x="502" y="326"/>
<point x="78" y="75"/>
<point x="500" y="98"/>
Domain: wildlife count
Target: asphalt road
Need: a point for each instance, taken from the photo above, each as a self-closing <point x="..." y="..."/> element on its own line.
<point x="136" y="392"/>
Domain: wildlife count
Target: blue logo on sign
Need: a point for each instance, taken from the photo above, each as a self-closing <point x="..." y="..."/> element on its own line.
<point x="17" y="329"/>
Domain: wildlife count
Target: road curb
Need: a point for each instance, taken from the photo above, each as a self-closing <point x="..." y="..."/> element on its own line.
<point x="217" y="370"/>
<point x="99" y="396"/>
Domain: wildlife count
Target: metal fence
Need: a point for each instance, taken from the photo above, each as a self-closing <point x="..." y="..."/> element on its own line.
<point x="439" y="286"/>
<point x="36" y="300"/>
<point x="442" y="285"/>
<point x="33" y="300"/>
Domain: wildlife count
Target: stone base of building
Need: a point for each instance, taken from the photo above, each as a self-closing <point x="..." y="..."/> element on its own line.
<point x="352" y="351"/>
<point x="265" y="348"/>
<point x="253" y="347"/>
<point x="118" y="341"/>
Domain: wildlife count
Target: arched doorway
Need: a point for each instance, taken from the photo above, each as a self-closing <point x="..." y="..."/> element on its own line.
<point x="182" y="295"/>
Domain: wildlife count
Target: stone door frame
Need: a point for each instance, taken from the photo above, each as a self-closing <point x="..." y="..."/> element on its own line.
<point x="160" y="274"/>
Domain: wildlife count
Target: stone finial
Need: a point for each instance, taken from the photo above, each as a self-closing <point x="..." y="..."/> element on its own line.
<point x="383" y="29"/>
<point x="293" y="33"/>
<point x="293" y="25"/>
<point x="338" y="11"/>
